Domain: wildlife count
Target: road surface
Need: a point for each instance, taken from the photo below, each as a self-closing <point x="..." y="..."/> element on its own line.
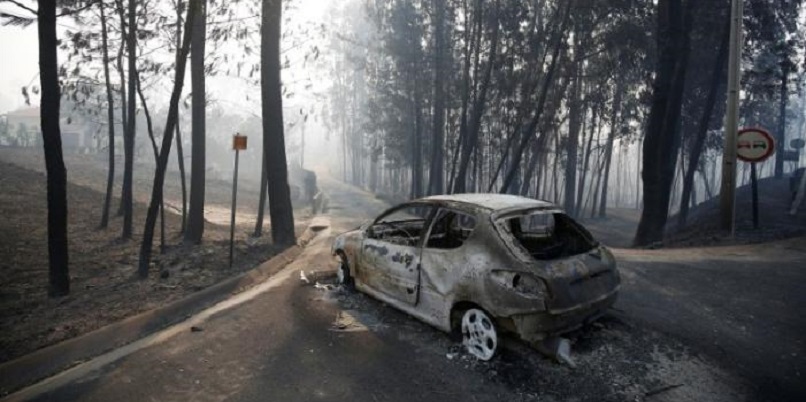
<point x="691" y="325"/>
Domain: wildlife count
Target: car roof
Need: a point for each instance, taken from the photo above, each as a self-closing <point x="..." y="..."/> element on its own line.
<point x="491" y="201"/>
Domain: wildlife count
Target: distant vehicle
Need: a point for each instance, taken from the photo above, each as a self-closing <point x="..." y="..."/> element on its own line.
<point x="482" y="264"/>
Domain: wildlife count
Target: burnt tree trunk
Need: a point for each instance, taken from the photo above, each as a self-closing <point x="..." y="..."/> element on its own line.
<point x="124" y="107"/>
<point x="473" y="126"/>
<point x="110" y="106"/>
<point x="558" y="36"/>
<point x="194" y="7"/>
<point x="697" y="146"/>
<point x="180" y="151"/>
<point x="128" y="138"/>
<point x="780" y="138"/>
<point x="660" y="142"/>
<point x="280" y="208"/>
<point x="156" y="150"/>
<point x="572" y="145"/>
<point x="611" y="137"/>
<point x="261" y="204"/>
<point x="58" y="267"/>
<point x="195" y="227"/>
<point x="436" y="183"/>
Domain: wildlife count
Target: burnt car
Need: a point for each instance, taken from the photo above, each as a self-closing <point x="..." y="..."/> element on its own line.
<point x="482" y="264"/>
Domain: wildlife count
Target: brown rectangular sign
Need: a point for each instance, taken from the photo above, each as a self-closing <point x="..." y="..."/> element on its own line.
<point x="239" y="142"/>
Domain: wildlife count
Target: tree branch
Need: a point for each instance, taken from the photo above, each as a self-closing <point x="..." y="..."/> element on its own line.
<point x="20" y="5"/>
<point x="78" y="10"/>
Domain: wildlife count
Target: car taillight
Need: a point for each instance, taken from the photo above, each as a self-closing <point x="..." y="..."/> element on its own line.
<point x="525" y="284"/>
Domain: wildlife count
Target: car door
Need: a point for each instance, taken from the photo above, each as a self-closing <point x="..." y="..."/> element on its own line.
<point x="443" y="260"/>
<point x="391" y="251"/>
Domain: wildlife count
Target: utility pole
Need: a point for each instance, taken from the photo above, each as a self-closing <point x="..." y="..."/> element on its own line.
<point x="727" y="194"/>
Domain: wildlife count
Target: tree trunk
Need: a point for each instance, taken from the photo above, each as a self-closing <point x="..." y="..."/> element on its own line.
<point x="194" y="9"/>
<point x="436" y="183"/>
<point x="586" y="157"/>
<point x="180" y="151"/>
<point x="124" y="107"/>
<point x="697" y="146"/>
<point x="58" y="268"/>
<point x="574" y="122"/>
<point x="280" y="208"/>
<point x="558" y="36"/>
<point x="195" y="229"/>
<point x="110" y="103"/>
<point x="417" y="146"/>
<point x="781" y="137"/>
<point x="614" y="127"/>
<point x="261" y="203"/>
<point x="128" y="139"/>
<point x="660" y="152"/>
<point x="474" y="124"/>
<point x="155" y="149"/>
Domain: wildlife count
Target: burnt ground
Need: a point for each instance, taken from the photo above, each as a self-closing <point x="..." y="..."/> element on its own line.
<point x="102" y="267"/>
<point x="702" y="228"/>
<point x="776" y="223"/>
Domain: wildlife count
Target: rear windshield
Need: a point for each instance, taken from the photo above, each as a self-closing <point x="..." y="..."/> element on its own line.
<point x="547" y="235"/>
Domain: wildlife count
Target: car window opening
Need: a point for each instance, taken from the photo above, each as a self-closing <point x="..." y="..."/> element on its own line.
<point x="548" y="236"/>
<point x="450" y="230"/>
<point x="403" y="227"/>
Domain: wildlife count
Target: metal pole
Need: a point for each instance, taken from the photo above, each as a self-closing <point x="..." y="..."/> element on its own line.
<point x="727" y="194"/>
<point x="234" y="203"/>
<point x="754" y="186"/>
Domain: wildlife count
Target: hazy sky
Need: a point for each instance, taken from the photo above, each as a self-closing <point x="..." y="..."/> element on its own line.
<point x="18" y="48"/>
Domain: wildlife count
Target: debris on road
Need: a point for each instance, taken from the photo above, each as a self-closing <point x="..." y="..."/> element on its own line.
<point x="557" y="348"/>
<point x="302" y="277"/>
<point x="196" y="329"/>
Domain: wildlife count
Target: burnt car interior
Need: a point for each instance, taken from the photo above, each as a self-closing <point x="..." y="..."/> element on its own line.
<point x="450" y="229"/>
<point x="403" y="226"/>
<point x="547" y="236"/>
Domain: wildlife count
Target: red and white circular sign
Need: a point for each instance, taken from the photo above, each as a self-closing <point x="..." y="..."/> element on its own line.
<point x="754" y="145"/>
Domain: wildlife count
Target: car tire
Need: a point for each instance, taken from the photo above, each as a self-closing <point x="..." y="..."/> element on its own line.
<point x="479" y="334"/>
<point x="343" y="271"/>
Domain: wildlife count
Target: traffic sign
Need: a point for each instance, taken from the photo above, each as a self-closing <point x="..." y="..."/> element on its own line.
<point x="754" y="145"/>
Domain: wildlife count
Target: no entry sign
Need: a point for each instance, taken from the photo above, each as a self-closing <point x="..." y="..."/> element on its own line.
<point x="754" y="145"/>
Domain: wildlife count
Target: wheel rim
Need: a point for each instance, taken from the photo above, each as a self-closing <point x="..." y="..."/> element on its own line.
<point x="478" y="334"/>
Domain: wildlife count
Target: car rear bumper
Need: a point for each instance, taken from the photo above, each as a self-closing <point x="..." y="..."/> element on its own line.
<point x="538" y="326"/>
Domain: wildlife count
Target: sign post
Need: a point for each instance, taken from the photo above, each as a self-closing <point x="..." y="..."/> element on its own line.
<point x="754" y="145"/>
<point x="727" y="192"/>
<point x="238" y="144"/>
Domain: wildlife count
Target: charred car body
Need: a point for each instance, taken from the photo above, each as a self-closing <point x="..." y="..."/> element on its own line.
<point x="483" y="264"/>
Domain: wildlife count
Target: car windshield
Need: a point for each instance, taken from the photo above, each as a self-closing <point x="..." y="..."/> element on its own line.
<point x="546" y="235"/>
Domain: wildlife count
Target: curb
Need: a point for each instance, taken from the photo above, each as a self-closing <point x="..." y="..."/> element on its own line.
<point x="43" y="363"/>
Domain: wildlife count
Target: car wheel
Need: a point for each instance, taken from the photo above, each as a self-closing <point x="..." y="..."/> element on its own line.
<point x="479" y="334"/>
<point x="343" y="271"/>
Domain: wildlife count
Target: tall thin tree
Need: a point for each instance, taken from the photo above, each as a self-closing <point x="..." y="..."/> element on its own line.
<point x="280" y="208"/>
<point x="128" y="139"/>
<point x="194" y="11"/>
<point x="110" y="104"/>
<point x="195" y="223"/>
<point x="58" y="273"/>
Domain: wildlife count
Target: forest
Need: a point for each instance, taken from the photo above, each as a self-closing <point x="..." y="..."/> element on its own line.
<point x="590" y="105"/>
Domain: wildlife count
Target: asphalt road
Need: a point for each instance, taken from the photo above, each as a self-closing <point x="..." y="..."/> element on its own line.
<point x="701" y="325"/>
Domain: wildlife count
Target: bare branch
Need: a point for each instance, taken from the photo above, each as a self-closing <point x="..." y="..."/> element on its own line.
<point x="78" y="10"/>
<point x="20" y="5"/>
